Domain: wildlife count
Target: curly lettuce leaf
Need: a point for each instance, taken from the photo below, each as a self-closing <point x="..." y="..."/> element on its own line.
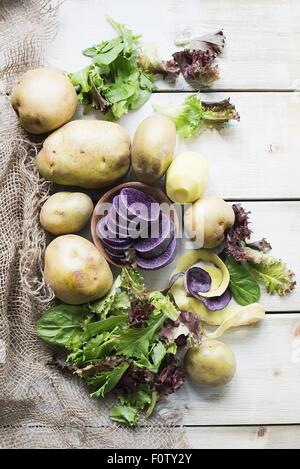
<point x="125" y="414"/>
<point x="196" y="116"/>
<point x="149" y="61"/>
<point x="271" y="271"/>
<point x="163" y="304"/>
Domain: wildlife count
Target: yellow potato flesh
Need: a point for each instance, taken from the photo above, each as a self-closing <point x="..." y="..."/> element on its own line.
<point x="187" y="177"/>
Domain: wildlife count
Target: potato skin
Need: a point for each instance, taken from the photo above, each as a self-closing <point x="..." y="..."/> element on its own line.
<point x="76" y="270"/>
<point x="66" y="212"/>
<point x="208" y="219"/>
<point x="44" y="99"/>
<point x="153" y="148"/>
<point x="85" y="153"/>
<point x="210" y="364"/>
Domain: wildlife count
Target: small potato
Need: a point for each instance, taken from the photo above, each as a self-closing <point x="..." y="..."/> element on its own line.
<point x="75" y="270"/>
<point x="187" y="177"/>
<point x="85" y="153"/>
<point x="44" y="99"/>
<point x="207" y="220"/>
<point x="153" y="148"/>
<point x="66" y="212"/>
<point x="211" y="364"/>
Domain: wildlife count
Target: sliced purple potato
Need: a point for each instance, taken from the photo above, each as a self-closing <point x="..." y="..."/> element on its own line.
<point x="121" y="211"/>
<point x="117" y="249"/>
<point x="105" y="235"/>
<point x="197" y="281"/>
<point x="149" y="248"/>
<point x="161" y="261"/>
<point x="117" y="257"/>
<point x="138" y="204"/>
<point x="114" y="226"/>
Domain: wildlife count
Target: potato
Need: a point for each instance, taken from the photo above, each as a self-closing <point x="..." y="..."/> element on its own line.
<point x="44" y="99"/>
<point x="210" y="364"/>
<point x="76" y="271"/>
<point x="66" y="212"/>
<point x="85" y="153"/>
<point x="153" y="147"/>
<point x="207" y="220"/>
<point x="187" y="177"/>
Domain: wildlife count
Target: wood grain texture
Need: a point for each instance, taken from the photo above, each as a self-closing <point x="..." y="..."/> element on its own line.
<point x="255" y="158"/>
<point x="263" y="36"/>
<point x="265" y="389"/>
<point x="256" y="437"/>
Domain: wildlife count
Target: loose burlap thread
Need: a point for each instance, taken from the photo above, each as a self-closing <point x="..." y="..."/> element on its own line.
<point x="40" y="407"/>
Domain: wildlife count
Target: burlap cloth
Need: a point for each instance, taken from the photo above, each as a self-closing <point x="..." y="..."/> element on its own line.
<point x="39" y="407"/>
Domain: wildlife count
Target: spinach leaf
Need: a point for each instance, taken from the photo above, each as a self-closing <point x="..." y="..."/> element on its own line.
<point x="242" y="284"/>
<point x="62" y="325"/>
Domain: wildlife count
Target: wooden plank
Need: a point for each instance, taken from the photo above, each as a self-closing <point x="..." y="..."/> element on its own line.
<point x="266" y="218"/>
<point x="255" y="158"/>
<point x="262" y="37"/>
<point x="265" y="389"/>
<point x="257" y="437"/>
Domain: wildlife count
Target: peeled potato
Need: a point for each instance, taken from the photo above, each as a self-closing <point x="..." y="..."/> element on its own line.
<point x="187" y="177"/>
<point x="76" y="271"/>
<point x="210" y="364"/>
<point x="207" y="220"/>
<point x="66" y="212"/>
<point x="44" y="100"/>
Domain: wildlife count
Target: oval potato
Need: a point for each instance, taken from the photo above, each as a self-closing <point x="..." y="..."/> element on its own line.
<point x="153" y="148"/>
<point x="44" y="100"/>
<point x="75" y="270"/>
<point x="85" y="153"/>
<point x="66" y="212"/>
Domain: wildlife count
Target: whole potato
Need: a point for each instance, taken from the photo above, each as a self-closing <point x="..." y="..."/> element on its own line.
<point x="66" y="212"/>
<point x="76" y="271"/>
<point x="207" y="220"/>
<point x="187" y="177"/>
<point x="210" y="364"/>
<point x="153" y="148"/>
<point x="44" y="99"/>
<point x="85" y="153"/>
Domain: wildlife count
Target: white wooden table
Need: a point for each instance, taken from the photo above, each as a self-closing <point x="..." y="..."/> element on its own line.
<point x="255" y="161"/>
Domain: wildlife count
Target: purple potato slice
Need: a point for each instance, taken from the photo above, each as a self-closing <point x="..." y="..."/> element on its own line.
<point x="138" y="204"/>
<point x="105" y="235"/>
<point x="149" y="248"/>
<point x="161" y="261"/>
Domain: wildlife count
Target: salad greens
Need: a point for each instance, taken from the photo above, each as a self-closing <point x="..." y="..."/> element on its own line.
<point x="244" y="288"/>
<point x="195" y="115"/>
<point x="249" y="264"/>
<point x="123" y="343"/>
<point x="114" y="83"/>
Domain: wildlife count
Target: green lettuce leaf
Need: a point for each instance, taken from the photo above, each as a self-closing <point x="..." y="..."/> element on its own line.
<point x="195" y="115"/>
<point x="163" y="304"/>
<point x="125" y="414"/>
<point x="271" y="271"/>
<point x="107" y="380"/>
